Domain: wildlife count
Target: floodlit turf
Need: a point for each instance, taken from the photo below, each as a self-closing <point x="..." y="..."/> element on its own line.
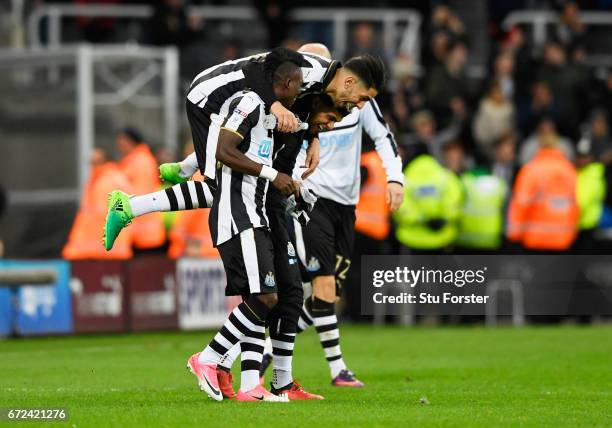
<point x="548" y="376"/>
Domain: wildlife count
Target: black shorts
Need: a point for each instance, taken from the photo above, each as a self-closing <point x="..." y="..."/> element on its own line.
<point x="325" y="245"/>
<point x="205" y="134"/>
<point x="248" y="259"/>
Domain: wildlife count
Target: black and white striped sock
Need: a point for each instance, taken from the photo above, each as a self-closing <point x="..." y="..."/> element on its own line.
<point x="230" y="356"/>
<point x="184" y="196"/>
<point x="326" y="324"/>
<point x="282" y="350"/>
<point x="251" y="348"/>
<point x="246" y="321"/>
<point x="305" y="319"/>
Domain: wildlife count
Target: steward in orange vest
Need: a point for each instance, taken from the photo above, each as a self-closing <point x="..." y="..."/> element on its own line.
<point x="372" y="211"/>
<point x="543" y="212"/>
<point x="84" y="239"/>
<point x="140" y="166"/>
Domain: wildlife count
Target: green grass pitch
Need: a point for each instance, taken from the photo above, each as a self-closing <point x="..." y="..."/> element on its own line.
<point x="536" y="376"/>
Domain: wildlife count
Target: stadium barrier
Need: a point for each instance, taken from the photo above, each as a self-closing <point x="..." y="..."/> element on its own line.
<point x="541" y="23"/>
<point x="150" y="293"/>
<point x="400" y="27"/>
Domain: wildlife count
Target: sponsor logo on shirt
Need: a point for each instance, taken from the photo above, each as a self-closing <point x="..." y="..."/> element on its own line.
<point x="240" y="112"/>
<point x="265" y="148"/>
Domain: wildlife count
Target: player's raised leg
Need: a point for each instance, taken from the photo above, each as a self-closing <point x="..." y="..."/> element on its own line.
<point x="122" y="208"/>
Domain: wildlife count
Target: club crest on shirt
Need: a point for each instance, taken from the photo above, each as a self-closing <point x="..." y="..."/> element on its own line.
<point x="313" y="265"/>
<point x="290" y="249"/>
<point x="270" y="281"/>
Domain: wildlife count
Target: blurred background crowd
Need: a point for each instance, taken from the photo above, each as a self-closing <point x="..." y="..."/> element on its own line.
<point x="503" y="127"/>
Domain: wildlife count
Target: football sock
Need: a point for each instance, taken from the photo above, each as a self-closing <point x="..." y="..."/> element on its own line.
<point x="252" y="344"/>
<point x="189" y="166"/>
<point x="230" y="356"/>
<point x="326" y="324"/>
<point x="184" y="196"/>
<point x="246" y="321"/>
<point x="305" y="319"/>
<point x="282" y="350"/>
<point x="268" y="346"/>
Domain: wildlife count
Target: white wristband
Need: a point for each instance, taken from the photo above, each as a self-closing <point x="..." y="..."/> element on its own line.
<point x="268" y="173"/>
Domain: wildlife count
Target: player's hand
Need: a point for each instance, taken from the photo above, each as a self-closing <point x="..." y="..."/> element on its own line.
<point x="285" y="184"/>
<point x="395" y="196"/>
<point x="285" y="120"/>
<point x="297" y="185"/>
<point x="312" y="158"/>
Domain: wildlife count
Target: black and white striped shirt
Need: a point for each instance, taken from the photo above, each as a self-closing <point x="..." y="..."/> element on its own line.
<point x="212" y="87"/>
<point x="239" y="202"/>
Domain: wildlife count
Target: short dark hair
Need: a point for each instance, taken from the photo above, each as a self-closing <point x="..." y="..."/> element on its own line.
<point x="133" y="134"/>
<point x="327" y="102"/>
<point x="369" y="68"/>
<point x="281" y="61"/>
<point x="284" y="71"/>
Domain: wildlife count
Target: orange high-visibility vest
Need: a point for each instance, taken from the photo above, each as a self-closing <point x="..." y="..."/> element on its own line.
<point x="543" y="212"/>
<point x="85" y="239"/>
<point x="140" y="167"/>
<point x="372" y="212"/>
<point x="191" y="227"/>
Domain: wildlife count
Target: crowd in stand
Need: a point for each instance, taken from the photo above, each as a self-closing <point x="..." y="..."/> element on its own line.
<point x="528" y="147"/>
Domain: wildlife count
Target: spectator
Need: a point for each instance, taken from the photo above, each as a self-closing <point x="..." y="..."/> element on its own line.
<point x="170" y="25"/>
<point x="570" y="29"/>
<point x="494" y="118"/>
<point x="446" y="30"/>
<point x="446" y="87"/>
<point x="503" y="73"/>
<point x="590" y="194"/>
<point x="231" y="50"/>
<point x="504" y="159"/>
<point x="481" y="224"/>
<point x="275" y="15"/>
<point x="427" y="219"/>
<point x="364" y="41"/>
<point x="543" y="214"/>
<point x="564" y="82"/>
<point x="84" y="241"/>
<point x="546" y="131"/>
<point x="516" y="45"/>
<point x="453" y="157"/>
<point x="540" y="107"/>
<point x="140" y="167"/>
<point x="601" y="144"/>
<point x="404" y="93"/>
<point x="426" y="133"/>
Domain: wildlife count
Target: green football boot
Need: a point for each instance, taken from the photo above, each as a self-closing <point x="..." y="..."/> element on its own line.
<point x="171" y="173"/>
<point x="119" y="215"/>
